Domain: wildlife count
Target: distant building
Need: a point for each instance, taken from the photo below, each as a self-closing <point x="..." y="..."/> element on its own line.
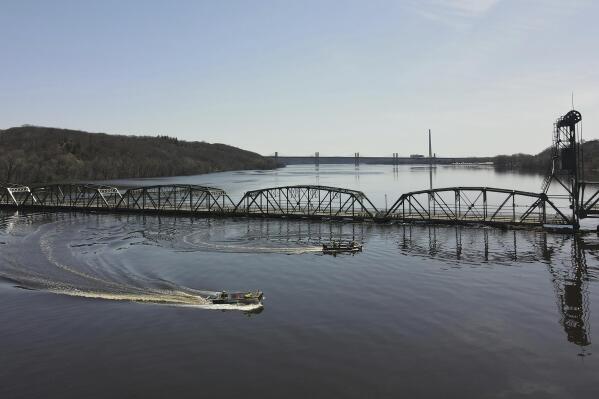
<point x="413" y="156"/>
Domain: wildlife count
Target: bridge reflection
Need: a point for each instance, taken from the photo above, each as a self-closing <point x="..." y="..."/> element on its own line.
<point x="571" y="286"/>
<point x="564" y="255"/>
<point x="471" y="244"/>
<point x="258" y="231"/>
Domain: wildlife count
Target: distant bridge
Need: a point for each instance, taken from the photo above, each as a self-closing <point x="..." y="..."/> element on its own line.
<point x="313" y="159"/>
<point x="455" y="205"/>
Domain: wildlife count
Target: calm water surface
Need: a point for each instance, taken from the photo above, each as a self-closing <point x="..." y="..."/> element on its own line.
<point x="423" y="312"/>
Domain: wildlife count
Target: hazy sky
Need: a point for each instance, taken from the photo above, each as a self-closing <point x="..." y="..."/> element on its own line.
<point x="487" y="76"/>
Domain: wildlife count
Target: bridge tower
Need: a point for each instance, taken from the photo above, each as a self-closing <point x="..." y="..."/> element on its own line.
<point x="566" y="159"/>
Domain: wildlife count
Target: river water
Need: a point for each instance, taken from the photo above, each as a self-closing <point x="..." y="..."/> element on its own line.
<point x="96" y="305"/>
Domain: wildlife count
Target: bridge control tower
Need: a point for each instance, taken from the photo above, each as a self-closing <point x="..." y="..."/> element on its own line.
<point x="566" y="159"/>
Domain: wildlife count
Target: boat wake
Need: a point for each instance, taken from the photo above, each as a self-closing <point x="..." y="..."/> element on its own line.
<point x="180" y="299"/>
<point x="79" y="259"/>
<point x="192" y="240"/>
<point x="253" y="308"/>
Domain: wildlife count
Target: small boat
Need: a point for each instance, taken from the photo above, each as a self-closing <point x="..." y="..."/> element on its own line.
<point x="236" y="298"/>
<point x="337" y="247"/>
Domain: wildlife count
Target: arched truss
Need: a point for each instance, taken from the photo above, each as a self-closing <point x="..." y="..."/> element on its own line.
<point x="307" y="201"/>
<point x="81" y="196"/>
<point x="477" y="205"/>
<point x="179" y="197"/>
<point x="12" y="194"/>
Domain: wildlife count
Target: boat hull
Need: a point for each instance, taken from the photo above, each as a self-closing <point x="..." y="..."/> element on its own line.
<point x="237" y="298"/>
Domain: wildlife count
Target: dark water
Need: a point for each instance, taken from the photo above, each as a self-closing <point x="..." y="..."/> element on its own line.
<point x="423" y="312"/>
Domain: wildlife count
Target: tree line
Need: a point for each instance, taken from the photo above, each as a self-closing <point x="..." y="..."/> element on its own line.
<point x="33" y="154"/>
<point x="541" y="163"/>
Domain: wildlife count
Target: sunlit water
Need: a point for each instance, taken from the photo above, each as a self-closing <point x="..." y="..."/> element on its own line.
<point x="111" y="307"/>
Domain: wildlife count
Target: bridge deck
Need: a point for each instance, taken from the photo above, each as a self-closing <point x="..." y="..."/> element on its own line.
<point x="498" y="220"/>
<point x="463" y="205"/>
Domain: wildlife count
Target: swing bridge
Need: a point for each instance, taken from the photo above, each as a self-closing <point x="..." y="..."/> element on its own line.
<point x="451" y="205"/>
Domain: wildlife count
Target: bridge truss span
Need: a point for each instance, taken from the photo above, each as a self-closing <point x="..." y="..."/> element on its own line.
<point x="589" y="199"/>
<point x="13" y="194"/>
<point x="177" y="198"/>
<point x="76" y="196"/>
<point x="319" y="202"/>
<point x="483" y="205"/>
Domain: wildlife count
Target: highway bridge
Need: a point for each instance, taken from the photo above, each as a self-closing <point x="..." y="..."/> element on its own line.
<point x="393" y="160"/>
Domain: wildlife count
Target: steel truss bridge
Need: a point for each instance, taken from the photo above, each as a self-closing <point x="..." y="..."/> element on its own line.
<point x="454" y="205"/>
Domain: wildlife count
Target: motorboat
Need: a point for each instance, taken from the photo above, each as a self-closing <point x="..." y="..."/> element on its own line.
<point x="235" y="298"/>
<point x="339" y="246"/>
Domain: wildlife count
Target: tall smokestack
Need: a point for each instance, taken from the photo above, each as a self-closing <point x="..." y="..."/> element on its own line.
<point x="430" y="146"/>
<point x="430" y="165"/>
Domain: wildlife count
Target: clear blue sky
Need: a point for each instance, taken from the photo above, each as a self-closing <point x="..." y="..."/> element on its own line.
<point x="487" y="76"/>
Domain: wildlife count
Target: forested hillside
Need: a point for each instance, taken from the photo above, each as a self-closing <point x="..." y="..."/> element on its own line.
<point x="31" y="154"/>
<point x="541" y="162"/>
